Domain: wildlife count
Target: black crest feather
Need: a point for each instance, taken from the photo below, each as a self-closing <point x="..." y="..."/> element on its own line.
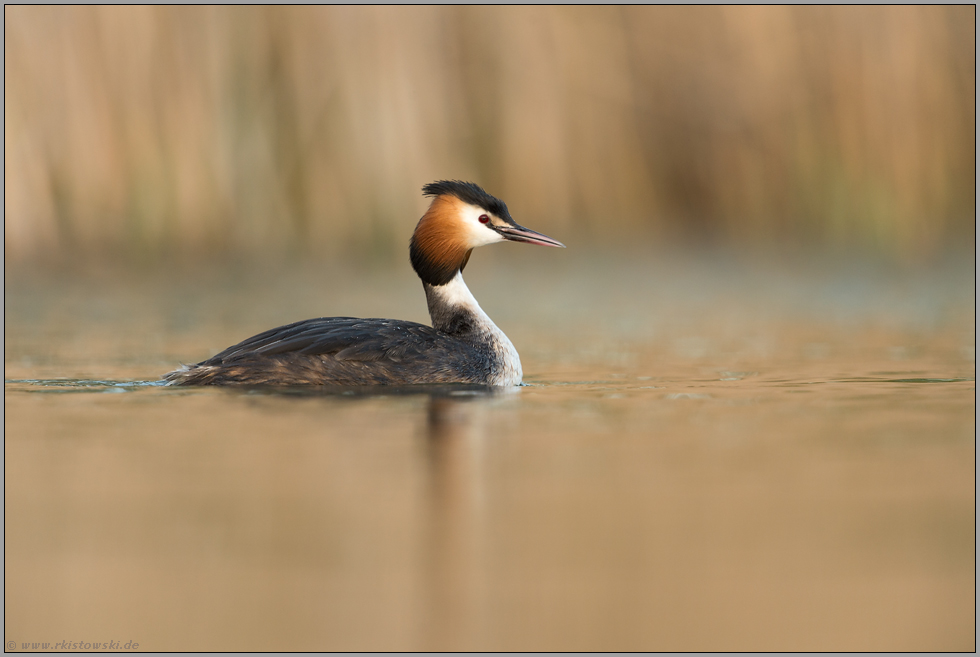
<point x="469" y="193"/>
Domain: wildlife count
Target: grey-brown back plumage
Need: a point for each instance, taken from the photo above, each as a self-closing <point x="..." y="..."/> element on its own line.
<point x="343" y="351"/>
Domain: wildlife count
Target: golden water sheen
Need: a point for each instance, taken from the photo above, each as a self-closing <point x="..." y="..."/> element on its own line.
<point x="707" y="457"/>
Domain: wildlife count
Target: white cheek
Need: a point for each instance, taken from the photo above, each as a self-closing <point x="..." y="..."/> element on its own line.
<point x="478" y="234"/>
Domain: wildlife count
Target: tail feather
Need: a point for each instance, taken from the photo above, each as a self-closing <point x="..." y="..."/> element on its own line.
<point x="190" y="375"/>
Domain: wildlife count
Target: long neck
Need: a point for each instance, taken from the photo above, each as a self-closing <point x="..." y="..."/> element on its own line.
<point x="454" y="311"/>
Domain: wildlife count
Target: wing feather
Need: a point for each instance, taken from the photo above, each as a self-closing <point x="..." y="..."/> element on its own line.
<point x="344" y="338"/>
<point x="342" y="351"/>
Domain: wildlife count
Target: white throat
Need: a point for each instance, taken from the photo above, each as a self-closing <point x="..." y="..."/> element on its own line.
<point x="455" y="294"/>
<point x="454" y="309"/>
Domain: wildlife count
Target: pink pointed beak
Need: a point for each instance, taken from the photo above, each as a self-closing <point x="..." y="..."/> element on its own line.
<point x="517" y="233"/>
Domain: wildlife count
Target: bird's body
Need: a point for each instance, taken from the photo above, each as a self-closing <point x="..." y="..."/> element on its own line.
<point x="463" y="345"/>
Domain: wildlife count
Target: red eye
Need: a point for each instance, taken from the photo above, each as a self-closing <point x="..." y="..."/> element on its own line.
<point x="484" y="219"/>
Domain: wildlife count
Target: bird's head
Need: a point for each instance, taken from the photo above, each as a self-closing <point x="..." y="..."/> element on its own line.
<point x="460" y="218"/>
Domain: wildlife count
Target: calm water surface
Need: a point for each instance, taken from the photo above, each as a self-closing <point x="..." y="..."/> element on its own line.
<point x="707" y="456"/>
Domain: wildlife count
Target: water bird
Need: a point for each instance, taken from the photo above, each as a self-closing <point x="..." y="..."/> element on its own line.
<point x="463" y="345"/>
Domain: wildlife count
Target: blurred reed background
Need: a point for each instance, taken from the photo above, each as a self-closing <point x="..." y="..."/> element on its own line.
<point x="142" y="132"/>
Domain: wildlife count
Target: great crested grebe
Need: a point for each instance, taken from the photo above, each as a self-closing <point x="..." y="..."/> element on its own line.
<point x="463" y="345"/>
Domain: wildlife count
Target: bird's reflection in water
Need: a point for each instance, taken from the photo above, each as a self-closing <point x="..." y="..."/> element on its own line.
<point x="454" y="567"/>
<point x="453" y="512"/>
